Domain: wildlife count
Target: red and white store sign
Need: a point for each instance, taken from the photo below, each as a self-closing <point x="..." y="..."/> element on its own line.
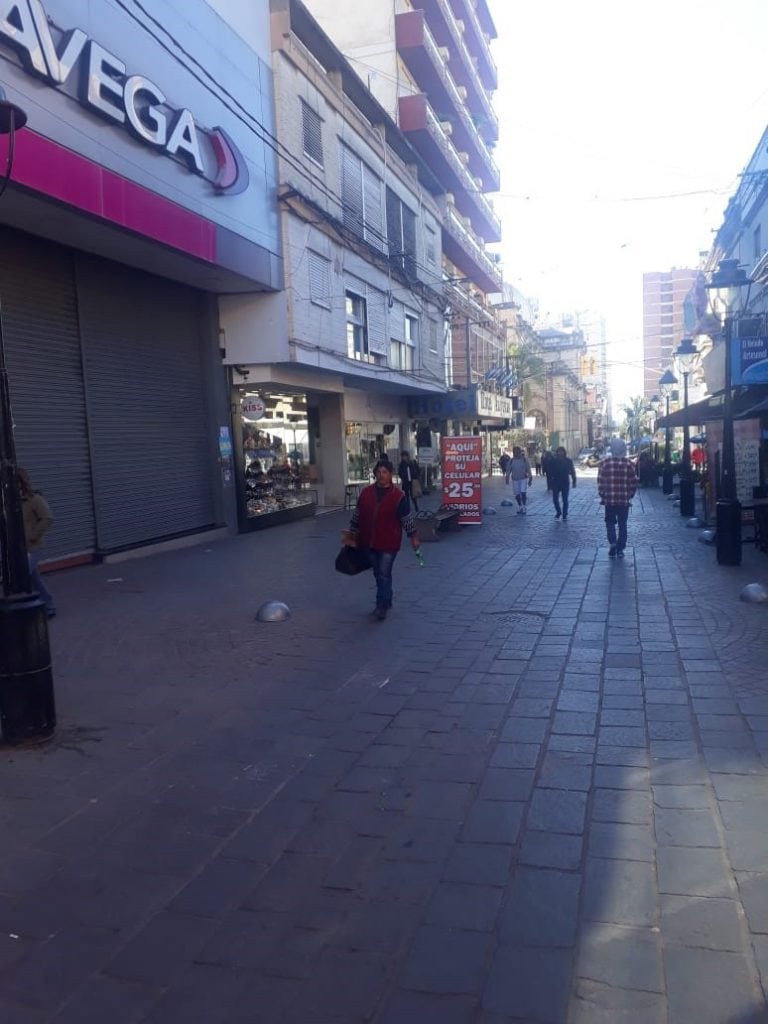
<point x="462" y="459"/>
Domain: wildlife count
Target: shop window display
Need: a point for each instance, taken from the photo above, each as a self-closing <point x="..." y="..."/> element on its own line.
<point x="275" y="457"/>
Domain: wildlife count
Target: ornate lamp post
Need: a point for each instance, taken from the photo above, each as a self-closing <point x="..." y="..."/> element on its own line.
<point x="27" y="709"/>
<point x="667" y="384"/>
<point x="728" y="302"/>
<point x="686" y="354"/>
<point x="655" y="405"/>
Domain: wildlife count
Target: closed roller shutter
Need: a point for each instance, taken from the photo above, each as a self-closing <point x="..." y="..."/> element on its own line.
<point x="153" y="464"/>
<point x="45" y="374"/>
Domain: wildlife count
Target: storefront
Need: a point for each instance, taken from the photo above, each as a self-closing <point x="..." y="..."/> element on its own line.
<point x="123" y="219"/>
<point x="275" y="457"/>
<point x="375" y="428"/>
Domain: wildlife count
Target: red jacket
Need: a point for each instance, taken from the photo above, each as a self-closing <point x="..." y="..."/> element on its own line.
<point x="379" y="526"/>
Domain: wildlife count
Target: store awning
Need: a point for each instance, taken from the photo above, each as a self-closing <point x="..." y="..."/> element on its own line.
<point x="761" y="409"/>
<point x="711" y="408"/>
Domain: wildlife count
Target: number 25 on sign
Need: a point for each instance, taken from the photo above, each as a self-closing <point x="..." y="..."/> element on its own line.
<point x="460" y="490"/>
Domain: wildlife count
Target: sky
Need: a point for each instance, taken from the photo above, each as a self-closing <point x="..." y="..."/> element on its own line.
<point x="623" y="128"/>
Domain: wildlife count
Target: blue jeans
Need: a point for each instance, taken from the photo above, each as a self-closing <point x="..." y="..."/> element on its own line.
<point x="561" y="491"/>
<point x="37" y="583"/>
<point x="382" y="562"/>
<point x="616" y="515"/>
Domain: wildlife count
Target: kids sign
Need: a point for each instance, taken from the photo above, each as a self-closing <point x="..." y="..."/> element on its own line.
<point x="462" y="475"/>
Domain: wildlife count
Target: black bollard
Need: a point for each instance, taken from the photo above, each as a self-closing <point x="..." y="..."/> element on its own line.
<point x="27" y="704"/>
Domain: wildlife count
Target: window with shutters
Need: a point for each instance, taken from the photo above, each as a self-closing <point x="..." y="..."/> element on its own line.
<point x="431" y="247"/>
<point x="357" y="328"/>
<point x="319" y="280"/>
<point x="401" y="233"/>
<point x="433" y="333"/>
<point x="312" y="125"/>
<point x="402" y="351"/>
<point x="361" y="199"/>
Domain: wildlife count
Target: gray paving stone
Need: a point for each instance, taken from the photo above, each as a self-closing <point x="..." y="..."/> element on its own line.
<point x="678" y="827"/>
<point x="566" y="770"/>
<point x="468" y="907"/>
<point x="622" y="777"/>
<point x="532" y="707"/>
<point x="478" y="864"/>
<point x="515" y="755"/>
<point x="619" y="892"/>
<point x="445" y="960"/>
<point x="575" y="722"/>
<point x="541" y="909"/>
<point x="551" y="850"/>
<point x="529" y="984"/>
<point x="493" y="821"/>
<point x="527" y="730"/>
<point x="429" y="1008"/>
<point x="557" y="811"/>
<point x="693" y="872"/>
<point x="622" y="805"/>
<point x="708" y="923"/>
<point x="577" y="700"/>
<point x="753" y="890"/>
<point x="628" y="958"/>
<point x="710" y="987"/>
<point x="680" y="796"/>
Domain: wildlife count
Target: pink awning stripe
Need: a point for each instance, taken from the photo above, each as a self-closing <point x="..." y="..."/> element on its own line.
<point x="46" y="167"/>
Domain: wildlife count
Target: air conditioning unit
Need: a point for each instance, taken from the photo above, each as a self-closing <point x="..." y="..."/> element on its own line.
<point x="444" y="52"/>
<point x="478" y="183"/>
<point x="460" y="23"/>
<point x="447" y="127"/>
<point x="462" y="91"/>
<point x="495" y="257"/>
<point x="450" y="198"/>
<point x="464" y="157"/>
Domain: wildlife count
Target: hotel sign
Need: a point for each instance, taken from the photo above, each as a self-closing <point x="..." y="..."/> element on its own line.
<point x="458" y="405"/>
<point x="102" y="84"/>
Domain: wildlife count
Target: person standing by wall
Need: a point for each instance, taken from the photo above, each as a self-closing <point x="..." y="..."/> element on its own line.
<point x="381" y="515"/>
<point x="616" y="485"/>
<point x="37" y="522"/>
<point x="520" y="474"/>
<point x="561" y="473"/>
<point x="410" y="478"/>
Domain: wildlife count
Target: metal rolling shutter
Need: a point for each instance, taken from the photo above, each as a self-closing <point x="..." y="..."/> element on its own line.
<point x="153" y="464"/>
<point x="42" y="344"/>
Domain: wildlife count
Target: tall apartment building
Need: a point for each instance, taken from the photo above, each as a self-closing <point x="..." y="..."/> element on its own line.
<point x="430" y="66"/>
<point x="664" y="321"/>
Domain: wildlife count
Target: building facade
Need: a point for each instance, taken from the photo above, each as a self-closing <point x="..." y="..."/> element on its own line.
<point x="322" y="372"/>
<point x="142" y="185"/>
<point x="430" y="66"/>
<point x="664" y="321"/>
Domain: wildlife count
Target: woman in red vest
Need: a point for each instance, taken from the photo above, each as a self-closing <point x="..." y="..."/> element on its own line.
<point x="378" y="521"/>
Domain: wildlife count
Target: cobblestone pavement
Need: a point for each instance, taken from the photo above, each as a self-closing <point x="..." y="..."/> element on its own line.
<point x="537" y="793"/>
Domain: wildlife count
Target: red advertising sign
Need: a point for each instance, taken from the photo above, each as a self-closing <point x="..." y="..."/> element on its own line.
<point x="462" y="475"/>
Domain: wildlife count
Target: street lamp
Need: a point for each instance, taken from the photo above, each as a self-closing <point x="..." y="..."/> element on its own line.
<point x="667" y="384"/>
<point x="729" y="301"/>
<point x="27" y="708"/>
<point x="655" y="405"/>
<point x="686" y="354"/>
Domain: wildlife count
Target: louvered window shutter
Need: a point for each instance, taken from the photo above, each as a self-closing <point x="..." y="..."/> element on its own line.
<point x="409" y="239"/>
<point x="352" y="190"/>
<point x="377" y="322"/>
<point x="319" y="280"/>
<point x="313" y="133"/>
<point x="374" y="220"/>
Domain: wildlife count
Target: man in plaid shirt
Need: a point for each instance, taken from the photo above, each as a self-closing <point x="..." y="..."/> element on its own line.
<point x="616" y="485"/>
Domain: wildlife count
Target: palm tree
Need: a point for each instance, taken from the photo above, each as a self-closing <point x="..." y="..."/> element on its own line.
<point x="637" y="419"/>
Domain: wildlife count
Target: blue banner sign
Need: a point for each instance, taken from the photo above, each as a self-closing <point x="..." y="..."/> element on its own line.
<point x="749" y="360"/>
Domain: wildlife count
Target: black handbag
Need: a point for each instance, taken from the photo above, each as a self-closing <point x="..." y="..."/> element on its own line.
<point x="351" y="561"/>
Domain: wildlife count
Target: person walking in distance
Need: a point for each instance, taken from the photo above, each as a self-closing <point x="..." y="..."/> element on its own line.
<point x="520" y="474"/>
<point x="616" y="485"/>
<point x="37" y="522"/>
<point x="381" y="515"/>
<point x="504" y="461"/>
<point x="547" y="459"/>
<point x="409" y="474"/>
<point x="561" y="473"/>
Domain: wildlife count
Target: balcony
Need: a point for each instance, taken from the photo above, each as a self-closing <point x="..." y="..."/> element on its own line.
<point x="421" y="54"/>
<point x="448" y="32"/>
<point x="476" y="41"/>
<point x="467" y="252"/>
<point x="419" y="122"/>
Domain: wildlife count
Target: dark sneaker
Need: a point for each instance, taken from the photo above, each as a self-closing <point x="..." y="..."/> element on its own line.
<point x="612" y="551"/>
<point x="557" y="515"/>
<point x="619" y="554"/>
<point x="565" y="518"/>
<point x="379" y="613"/>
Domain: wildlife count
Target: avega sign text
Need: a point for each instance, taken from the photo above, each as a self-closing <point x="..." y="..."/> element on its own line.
<point x="103" y="85"/>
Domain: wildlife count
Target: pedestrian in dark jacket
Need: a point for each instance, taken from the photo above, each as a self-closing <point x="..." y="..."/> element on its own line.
<point x="561" y="472"/>
<point x="378" y="521"/>
<point x="546" y="463"/>
<point x="409" y="473"/>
